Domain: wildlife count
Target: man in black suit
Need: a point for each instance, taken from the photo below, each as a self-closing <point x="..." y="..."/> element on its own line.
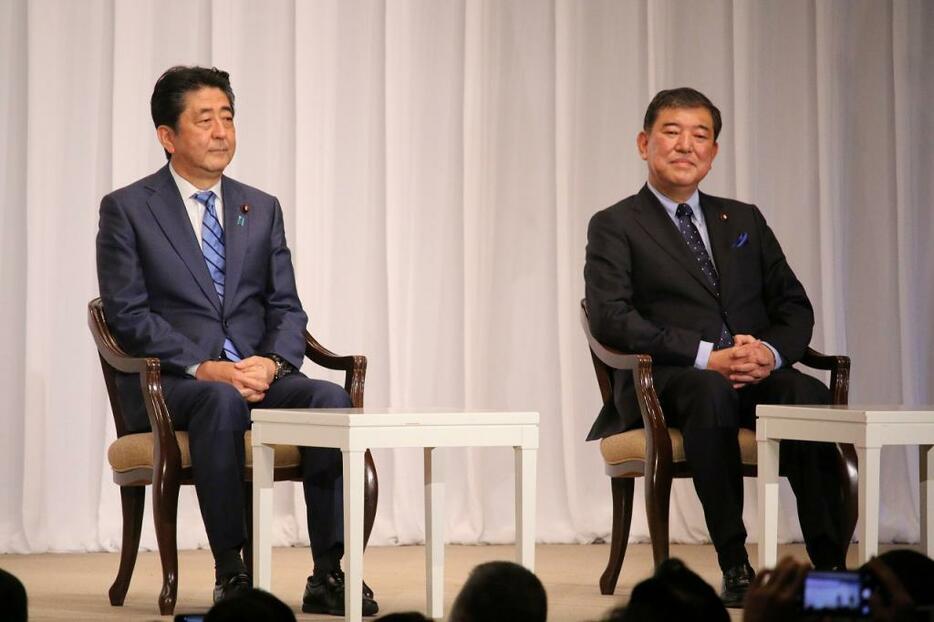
<point x="701" y="284"/>
<point x="194" y="269"/>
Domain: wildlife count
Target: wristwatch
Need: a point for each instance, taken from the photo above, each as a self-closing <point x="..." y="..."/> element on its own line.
<point x="283" y="367"/>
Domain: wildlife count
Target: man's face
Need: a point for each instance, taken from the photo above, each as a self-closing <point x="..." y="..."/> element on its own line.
<point x="679" y="150"/>
<point x="204" y="142"/>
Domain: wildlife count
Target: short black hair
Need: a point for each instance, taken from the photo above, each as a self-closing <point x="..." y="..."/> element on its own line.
<point x="500" y="592"/>
<point x="675" y="592"/>
<point x="914" y="570"/>
<point x="682" y="97"/>
<point x="13" y="603"/>
<point x="255" y="604"/>
<point x="168" y="96"/>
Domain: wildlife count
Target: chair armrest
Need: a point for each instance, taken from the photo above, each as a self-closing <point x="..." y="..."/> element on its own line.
<point x="113" y="354"/>
<point x="657" y="439"/>
<point x="354" y="367"/>
<point x="839" y="367"/>
<point x="608" y="356"/>
<point x="819" y="360"/>
<point x="165" y="445"/>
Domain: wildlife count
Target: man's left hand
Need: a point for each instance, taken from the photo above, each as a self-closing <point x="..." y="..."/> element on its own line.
<point x="259" y="367"/>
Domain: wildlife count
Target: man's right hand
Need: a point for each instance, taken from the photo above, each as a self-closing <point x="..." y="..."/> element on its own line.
<point x="249" y="382"/>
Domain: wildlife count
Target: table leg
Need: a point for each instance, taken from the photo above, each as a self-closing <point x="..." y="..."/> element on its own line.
<point x="434" y="533"/>
<point x="868" y="529"/>
<point x="353" y="534"/>
<point x="767" y="488"/>
<point x="927" y="499"/>
<point x="263" y="463"/>
<point x="525" y="506"/>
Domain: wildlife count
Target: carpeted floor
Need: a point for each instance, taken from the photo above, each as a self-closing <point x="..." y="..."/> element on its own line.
<point x="74" y="586"/>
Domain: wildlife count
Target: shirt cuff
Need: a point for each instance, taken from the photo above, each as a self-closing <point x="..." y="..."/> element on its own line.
<point x="778" y="357"/>
<point x="193" y="370"/>
<point x="704" y="349"/>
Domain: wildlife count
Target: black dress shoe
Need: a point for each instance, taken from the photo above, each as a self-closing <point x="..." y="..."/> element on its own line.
<point x="736" y="581"/>
<point x="326" y="595"/>
<point x="239" y="583"/>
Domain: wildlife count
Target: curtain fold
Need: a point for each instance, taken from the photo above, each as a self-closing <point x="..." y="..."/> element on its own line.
<point x="437" y="163"/>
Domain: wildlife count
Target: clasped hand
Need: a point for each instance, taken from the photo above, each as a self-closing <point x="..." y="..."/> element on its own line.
<point x="747" y="361"/>
<point x="251" y="376"/>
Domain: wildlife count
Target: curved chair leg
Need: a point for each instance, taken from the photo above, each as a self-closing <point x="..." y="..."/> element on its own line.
<point x="133" y="501"/>
<point x="370" y="496"/>
<point x="622" y="519"/>
<point x="657" y="495"/>
<point x="165" y="514"/>
<point x="850" y="479"/>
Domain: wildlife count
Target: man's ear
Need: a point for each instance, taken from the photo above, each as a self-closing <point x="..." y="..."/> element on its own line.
<point x="642" y="144"/>
<point x="166" y="137"/>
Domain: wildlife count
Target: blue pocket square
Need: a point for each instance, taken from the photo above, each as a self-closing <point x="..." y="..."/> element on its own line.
<point x="741" y="240"/>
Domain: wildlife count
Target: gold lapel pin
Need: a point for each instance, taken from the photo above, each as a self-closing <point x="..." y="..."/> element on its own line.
<point x="723" y="216"/>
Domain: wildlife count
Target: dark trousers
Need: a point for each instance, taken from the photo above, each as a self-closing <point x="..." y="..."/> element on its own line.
<point x="216" y="416"/>
<point x="709" y="412"/>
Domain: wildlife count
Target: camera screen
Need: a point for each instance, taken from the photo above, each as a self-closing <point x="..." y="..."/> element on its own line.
<point x="835" y="591"/>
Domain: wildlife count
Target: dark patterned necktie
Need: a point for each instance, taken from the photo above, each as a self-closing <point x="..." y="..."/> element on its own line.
<point x="696" y="245"/>
<point x="212" y="247"/>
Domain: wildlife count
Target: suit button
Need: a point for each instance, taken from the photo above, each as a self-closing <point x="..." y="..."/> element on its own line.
<point x="225" y="324"/>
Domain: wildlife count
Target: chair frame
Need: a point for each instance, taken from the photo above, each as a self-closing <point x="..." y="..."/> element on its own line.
<point x="658" y="468"/>
<point x="167" y="473"/>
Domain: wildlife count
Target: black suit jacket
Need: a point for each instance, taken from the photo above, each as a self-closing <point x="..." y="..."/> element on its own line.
<point x="646" y="293"/>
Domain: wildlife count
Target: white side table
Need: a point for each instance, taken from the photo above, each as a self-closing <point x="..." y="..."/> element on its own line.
<point x="353" y="431"/>
<point x="868" y="428"/>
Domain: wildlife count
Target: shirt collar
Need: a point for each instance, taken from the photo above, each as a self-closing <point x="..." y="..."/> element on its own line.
<point x="672" y="206"/>
<point x="187" y="189"/>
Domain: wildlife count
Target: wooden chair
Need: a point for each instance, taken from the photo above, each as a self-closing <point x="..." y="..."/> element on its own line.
<point x="656" y="452"/>
<point x="162" y="458"/>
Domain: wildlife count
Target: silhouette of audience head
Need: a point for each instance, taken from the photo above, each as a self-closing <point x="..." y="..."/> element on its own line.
<point x="250" y="606"/>
<point x="914" y="571"/>
<point x="12" y="598"/>
<point x="500" y="592"/>
<point x="674" y="592"/>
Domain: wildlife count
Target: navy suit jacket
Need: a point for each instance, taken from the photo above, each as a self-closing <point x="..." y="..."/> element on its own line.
<point x="158" y="296"/>
<point x="646" y="293"/>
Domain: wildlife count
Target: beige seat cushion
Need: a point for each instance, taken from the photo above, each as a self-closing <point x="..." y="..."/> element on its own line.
<point x="631" y="446"/>
<point x="134" y="451"/>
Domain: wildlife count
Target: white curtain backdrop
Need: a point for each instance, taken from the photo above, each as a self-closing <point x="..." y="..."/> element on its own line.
<point x="438" y="162"/>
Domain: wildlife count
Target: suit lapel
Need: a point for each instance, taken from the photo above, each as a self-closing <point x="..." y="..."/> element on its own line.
<point x="720" y="232"/>
<point x="169" y="211"/>
<point x="236" y="236"/>
<point x="654" y="219"/>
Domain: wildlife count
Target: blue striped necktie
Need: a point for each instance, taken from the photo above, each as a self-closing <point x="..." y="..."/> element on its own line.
<point x="696" y="245"/>
<point x="212" y="247"/>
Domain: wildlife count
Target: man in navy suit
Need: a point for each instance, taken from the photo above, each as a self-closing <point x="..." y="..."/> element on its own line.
<point x="194" y="269"/>
<point x="701" y="284"/>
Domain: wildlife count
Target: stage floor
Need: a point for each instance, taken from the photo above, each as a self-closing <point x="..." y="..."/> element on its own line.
<point x="74" y="586"/>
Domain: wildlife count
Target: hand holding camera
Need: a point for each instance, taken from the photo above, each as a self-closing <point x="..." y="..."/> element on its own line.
<point x="792" y="591"/>
<point x="775" y="595"/>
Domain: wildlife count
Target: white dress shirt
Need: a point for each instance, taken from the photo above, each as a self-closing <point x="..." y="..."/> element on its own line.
<point x="195" y="210"/>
